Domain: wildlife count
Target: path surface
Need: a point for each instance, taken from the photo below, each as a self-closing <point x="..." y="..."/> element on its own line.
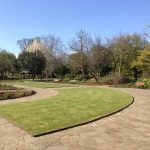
<point x="126" y="130"/>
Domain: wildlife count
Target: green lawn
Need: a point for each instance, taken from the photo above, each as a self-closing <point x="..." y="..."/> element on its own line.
<point x="69" y="107"/>
<point x="43" y="84"/>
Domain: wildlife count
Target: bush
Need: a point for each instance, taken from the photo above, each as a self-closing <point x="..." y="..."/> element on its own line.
<point x="79" y="78"/>
<point x="73" y="81"/>
<point x="146" y="83"/>
<point x="16" y="94"/>
<point x="143" y="84"/>
<point x="114" y="80"/>
<point x="66" y="79"/>
<point x="70" y="76"/>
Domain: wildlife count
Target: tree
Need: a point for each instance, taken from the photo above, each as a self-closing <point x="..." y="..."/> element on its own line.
<point x="24" y="43"/>
<point x="7" y="63"/>
<point x="75" y="64"/>
<point x="123" y="49"/>
<point x="53" y="50"/>
<point x="61" y="70"/>
<point x="142" y="62"/>
<point x="33" y="62"/>
<point x="81" y="45"/>
<point x="98" y="60"/>
<point x="51" y="47"/>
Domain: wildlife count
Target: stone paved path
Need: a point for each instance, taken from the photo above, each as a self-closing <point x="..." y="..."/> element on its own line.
<point x="126" y="130"/>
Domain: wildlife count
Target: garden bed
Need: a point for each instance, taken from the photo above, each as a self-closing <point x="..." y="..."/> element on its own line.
<point x="11" y="92"/>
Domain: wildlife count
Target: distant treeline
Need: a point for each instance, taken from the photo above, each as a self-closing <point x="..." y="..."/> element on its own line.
<point x="124" y="55"/>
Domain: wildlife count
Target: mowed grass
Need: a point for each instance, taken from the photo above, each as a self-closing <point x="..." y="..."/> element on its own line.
<point x="43" y="84"/>
<point x="70" y="107"/>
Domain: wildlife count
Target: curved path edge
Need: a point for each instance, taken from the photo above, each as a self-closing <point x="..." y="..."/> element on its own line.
<point x="39" y="94"/>
<point x="87" y="122"/>
<point x="128" y="129"/>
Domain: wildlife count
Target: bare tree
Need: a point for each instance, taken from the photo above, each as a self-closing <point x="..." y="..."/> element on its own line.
<point x="81" y="44"/>
<point x="24" y="43"/>
<point x="53" y="50"/>
<point x="98" y="59"/>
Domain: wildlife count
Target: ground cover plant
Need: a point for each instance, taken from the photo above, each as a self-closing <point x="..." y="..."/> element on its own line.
<point x="70" y="107"/>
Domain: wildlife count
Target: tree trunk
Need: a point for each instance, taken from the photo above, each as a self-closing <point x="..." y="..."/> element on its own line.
<point x="33" y="77"/>
<point x="94" y="76"/>
<point x="114" y="68"/>
<point x="120" y="64"/>
<point x="82" y="71"/>
<point x="41" y="76"/>
<point x="96" y="79"/>
<point x="135" y="73"/>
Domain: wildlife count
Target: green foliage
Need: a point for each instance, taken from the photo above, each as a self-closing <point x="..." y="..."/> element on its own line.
<point x="79" y="77"/>
<point x="34" y="62"/>
<point x="61" y="70"/>
<point x="123" y="55"/>
<point x="7" y="63"/>
<point x="146" y="83"/>
<point x="143" y="61"/>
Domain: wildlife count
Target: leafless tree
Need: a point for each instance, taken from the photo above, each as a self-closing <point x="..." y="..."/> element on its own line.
<point x="98" y="59"/>
<point x="24" y="43"/>
<point x="53" y="50"/>
<point x="81" y="45"/>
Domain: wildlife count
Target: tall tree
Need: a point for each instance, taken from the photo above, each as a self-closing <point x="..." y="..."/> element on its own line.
<point x="98" y="60"/>
<point x="142" y="63"/>
<point x="123" y="50"/>
<point x="33" y="62"/>
<point x="54" y="48"/>
<point x="24" y="43"/>
<point x="75" y="64"/>
<point x="81" y="45"/>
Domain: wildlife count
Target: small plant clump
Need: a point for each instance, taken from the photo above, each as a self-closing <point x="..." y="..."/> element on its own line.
<point x="146" y="83"/>
<point x="10" y="92"/>
<point x="15" y="94"/>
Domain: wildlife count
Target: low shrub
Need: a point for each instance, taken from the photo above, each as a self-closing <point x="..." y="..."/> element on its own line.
<point x="73" y="81"/>
<point x="147" y="83"/>
<point x="143" y="84"/>
<point x="66" y="80"/>
<point x="16" y="94"/>
<point x="79" y="78"/>
<point x="114" y="80"/>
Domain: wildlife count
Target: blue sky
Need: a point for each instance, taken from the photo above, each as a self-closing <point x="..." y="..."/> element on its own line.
<point x="28" y="18"/>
